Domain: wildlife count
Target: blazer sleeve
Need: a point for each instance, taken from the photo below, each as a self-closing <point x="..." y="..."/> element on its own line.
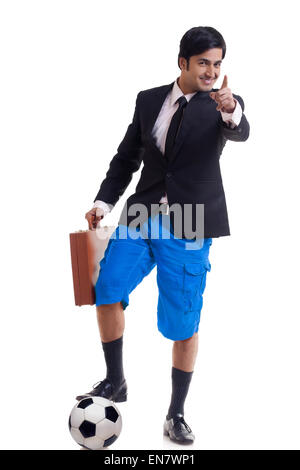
<point x="239" y="133"/>
<point x="127" y="160"/>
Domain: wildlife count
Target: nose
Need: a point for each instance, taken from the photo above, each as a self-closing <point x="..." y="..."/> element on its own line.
<point x="210" y="71"/>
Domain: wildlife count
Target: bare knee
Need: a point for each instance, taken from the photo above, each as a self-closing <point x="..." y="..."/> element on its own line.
<point x="108" y="308"/>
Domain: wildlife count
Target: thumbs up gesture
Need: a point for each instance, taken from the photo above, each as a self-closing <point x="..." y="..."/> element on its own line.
<point x="224" y="98"/>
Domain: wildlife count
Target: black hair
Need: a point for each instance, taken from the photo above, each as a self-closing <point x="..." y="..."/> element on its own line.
<point x="198" y="40"/>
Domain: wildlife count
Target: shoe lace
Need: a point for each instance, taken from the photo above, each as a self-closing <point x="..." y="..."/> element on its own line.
<point x="181" y="420"/>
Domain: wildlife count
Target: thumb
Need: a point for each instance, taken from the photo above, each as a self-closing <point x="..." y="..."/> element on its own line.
<point x="212" y="94"/>
<point x="99" y="213"/>
<point x="225" y="82"/>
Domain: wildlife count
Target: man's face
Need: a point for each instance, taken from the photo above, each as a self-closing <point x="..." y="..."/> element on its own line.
<point x="204" y="70"/>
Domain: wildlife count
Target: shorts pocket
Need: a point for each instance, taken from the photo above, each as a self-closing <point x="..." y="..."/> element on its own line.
<point x="194" y="282"/>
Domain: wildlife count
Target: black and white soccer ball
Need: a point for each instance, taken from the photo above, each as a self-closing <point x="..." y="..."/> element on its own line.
<point x="95" y="423"/>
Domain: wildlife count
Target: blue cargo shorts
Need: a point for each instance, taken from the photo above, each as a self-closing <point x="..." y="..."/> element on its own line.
<point x="182" y="266"/>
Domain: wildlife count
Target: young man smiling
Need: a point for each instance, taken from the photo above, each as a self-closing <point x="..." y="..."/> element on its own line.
<point x="178" y="131"/>
<point x="200" y="73"/>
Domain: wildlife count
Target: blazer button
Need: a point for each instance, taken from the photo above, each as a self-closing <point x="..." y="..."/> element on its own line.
<point x="168" y="175"/>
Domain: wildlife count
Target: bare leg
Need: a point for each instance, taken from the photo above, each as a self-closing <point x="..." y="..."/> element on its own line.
<point x="111" y="321"/>
<point x="185" y="352"/>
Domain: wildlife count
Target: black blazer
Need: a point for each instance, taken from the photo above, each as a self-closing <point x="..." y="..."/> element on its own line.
<point x="191" y="175"/>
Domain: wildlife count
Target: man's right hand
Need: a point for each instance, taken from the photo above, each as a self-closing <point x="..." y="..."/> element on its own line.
<point x="94" y="216"/>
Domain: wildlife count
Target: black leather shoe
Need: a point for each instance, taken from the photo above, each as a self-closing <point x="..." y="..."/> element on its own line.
<point x="178" y="430"/>
<point x="105" y="389"/>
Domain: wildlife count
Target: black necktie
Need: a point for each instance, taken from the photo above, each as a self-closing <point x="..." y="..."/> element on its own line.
<point x="174" y="126"/>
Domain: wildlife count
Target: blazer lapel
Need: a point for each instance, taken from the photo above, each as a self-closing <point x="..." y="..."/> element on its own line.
<point x="154" y="110"/>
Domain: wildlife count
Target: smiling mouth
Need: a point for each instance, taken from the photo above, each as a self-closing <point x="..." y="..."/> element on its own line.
<point x="207" y="80"/>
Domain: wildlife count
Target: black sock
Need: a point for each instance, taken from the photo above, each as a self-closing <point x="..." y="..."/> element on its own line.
<point x="113" y="353"/>
<point x="180" y="386"/>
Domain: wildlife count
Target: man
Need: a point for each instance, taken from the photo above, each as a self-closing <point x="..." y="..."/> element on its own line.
<point x="178" y="132"/>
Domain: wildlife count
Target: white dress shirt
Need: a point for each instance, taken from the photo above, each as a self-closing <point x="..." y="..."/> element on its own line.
<point x="162" y="123"/>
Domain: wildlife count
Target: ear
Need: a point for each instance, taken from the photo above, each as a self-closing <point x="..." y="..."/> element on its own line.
<point x="182" y="63"/>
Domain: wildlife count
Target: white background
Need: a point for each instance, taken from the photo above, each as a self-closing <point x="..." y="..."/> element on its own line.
<point x="70" y="73"/>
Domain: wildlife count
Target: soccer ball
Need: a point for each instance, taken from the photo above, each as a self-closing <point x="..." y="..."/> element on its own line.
<point x="95" y="423"/>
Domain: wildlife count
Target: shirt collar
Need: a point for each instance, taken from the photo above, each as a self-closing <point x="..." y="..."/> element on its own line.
<point x="177" y="92"/>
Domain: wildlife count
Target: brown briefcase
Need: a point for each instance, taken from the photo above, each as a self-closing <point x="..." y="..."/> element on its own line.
<point x="87" y="249"/>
